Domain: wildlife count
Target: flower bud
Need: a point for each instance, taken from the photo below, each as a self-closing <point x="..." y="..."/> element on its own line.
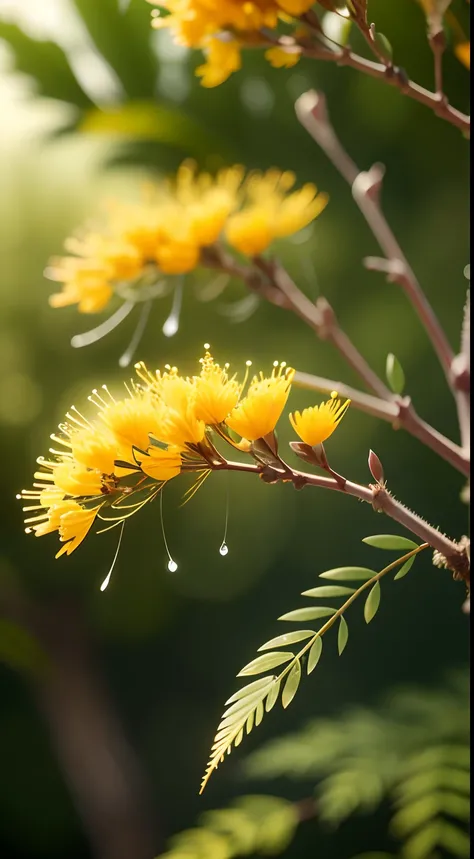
<point x="375" y="467"/>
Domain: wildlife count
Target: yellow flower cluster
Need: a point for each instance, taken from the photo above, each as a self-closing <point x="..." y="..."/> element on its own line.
<point x="221" y="27"/>
<point x="111" y="465"/>
<point x="166" y="233"/>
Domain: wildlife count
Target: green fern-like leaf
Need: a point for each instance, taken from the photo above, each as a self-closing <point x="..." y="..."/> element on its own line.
<point x="249" y="705"/>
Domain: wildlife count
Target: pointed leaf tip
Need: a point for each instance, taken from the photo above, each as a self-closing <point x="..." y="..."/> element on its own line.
<point x="342" y="635"/>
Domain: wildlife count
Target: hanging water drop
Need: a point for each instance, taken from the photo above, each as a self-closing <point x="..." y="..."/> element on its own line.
<point x="106" y="581"/>
<point x="172" y="566"/>
<point x="224" y="549"/>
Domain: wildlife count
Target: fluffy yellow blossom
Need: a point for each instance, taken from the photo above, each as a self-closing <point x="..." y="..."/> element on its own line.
<point x="258" y="413"/>
<point x="74" y="524"/>
<point x="215" y="394"/>
<point x="160" y="464"/>
<point x="222" y="58"/>
<point x="169" y="231"/>
<point x="271" y="210"/>
<point x="222" y="27"/>
<point x="314" y="425"/>
<point x="282" y="57"/>
<point x="109" y="465"/>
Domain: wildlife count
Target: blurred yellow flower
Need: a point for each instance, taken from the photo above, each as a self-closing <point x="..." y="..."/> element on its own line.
<point x="258" y="413"/>
<point x="222" y="58"/>
<point x="281" y="57"/>
<point x="314" y="425"/>
<point x="463" y="53"/>
<point x="272" y="211"/>
<point x="222" y="27"/>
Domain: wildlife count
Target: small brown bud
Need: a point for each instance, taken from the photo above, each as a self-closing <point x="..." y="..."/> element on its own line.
<point x="375" y="467"/>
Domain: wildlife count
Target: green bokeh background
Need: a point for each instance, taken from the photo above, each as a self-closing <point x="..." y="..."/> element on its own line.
<point x="169" y="646"/>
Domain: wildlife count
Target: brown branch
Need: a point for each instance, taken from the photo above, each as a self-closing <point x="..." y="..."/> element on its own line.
<point x="366" y="187"/>
<point x="399" y="411"/>
<point x="378" y="497"/>
<point x="393" y="76"/>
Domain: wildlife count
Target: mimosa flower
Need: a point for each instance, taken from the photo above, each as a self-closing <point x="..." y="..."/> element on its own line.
<point x="221" y="27"/>
<point x="74" y="524"/>
<point x="222" y="59"/>
<point x="215" y="394"/>
<point x="271" y="211"/>
<point x="314" y="425"/>
<point x="281" y="57"/>
<point x="258" y="413"/>
<point x="160" y="464"/>
<point x="108" y="467"/>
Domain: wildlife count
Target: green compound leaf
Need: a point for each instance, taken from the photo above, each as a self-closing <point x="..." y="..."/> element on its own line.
<point x="390" y="541"/>
<point x="405" y="568"/>
<point x="348" y="574"/>
<point x="328" y="591"/>
<point x="266" y="662"/>
<point x="314" y="655"/>
<point x="288" y="638"/>
<point x="308" y="613"/>
<point x="291" y="685"/>
<point x="342" y="635"/>
<point x="372" y="603"/>
<point x="394" y="371"/>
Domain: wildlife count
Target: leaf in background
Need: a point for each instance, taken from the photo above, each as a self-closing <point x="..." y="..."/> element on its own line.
<point x="372" y="603"/>
<point x="342" y="635"/>
<point x="123" y="38"/>
<point x="148" y="120"/>
<point x="395" y="374"/>
<point x="46" y="63"/>
<point x="390" y="541"/>
<point x="19" y="649"/>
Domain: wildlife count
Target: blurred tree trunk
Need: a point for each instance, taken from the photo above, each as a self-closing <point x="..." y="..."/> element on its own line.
<point x="99" y="767"/>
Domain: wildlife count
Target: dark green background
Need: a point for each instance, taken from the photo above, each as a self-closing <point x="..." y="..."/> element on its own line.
<point x="169" y="646"/>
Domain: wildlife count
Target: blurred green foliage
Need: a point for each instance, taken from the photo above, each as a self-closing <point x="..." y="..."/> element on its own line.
<point x="169" y="644"/>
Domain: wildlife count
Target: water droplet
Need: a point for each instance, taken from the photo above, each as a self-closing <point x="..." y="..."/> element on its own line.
<point x="224" y="549"/>
<point x="172" y="566"/>
<point x="18" y="496"/>
<point x="170" y="327"/>
<point x="207" y="345"/>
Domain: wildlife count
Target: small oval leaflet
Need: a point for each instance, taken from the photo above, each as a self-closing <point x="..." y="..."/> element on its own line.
<point x="291" y="685"/>
<point x="272" y="696"/>
<point x="287" y="638"/>
<point x="308" y="613"/>
<point x="405" y="569"/>
<point x="249" y="689"/>
<point x="265" y="662"/>
<point x="348" y="574"/>
<point x="314" y="655"/>
<point x="328" y="591"/>
<point x="342" y="635"/>
<point x="390" y="541"/>
<point x="372" y="603"/>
